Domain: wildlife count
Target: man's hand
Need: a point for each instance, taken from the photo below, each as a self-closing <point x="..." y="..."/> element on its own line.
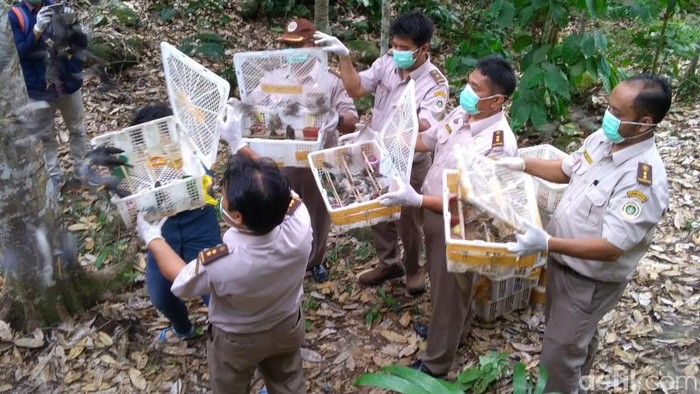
<point x="43" y="18"/>
<point x="148" y="231"/>
<point x="362" y="134"/>
<point x="330" y="44"/>
<point x="230" y="126"/>
<point x="514" y="163"/>
<point x="534" y="240"/>
<point x="405" y="196"/>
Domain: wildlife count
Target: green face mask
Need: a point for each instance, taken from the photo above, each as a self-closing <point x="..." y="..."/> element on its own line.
<point x="297" y="58"/>
<point x="35" y="2"/>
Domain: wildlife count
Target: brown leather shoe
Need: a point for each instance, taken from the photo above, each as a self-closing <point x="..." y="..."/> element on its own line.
<point x="379" y="274"/>
<point x="415" y="284"/>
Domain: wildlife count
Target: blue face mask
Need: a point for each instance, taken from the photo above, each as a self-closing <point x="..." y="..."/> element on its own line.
<point x="611" y="128"/>
<point x="468" y="100"/>
<point x="298" y="58"/>
<point x="404" y="59"/>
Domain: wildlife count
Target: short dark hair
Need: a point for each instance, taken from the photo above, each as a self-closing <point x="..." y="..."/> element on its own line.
<point x="150" y="112"/>
<point x="655" y="97"/>
<point x="414" y="25"/>
<point x="258" y="191"/>
<point x="499" y="72"/>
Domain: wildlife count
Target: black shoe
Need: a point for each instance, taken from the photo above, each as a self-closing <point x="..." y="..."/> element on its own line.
<point x="419" y="366"/>
<point x="421" y="329"/>
<point x="320" y="273"/>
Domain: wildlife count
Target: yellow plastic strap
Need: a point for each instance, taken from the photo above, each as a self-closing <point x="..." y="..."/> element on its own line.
<point x="206" y="184"/>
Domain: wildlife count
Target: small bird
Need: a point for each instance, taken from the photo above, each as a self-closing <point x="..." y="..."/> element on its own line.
<point x="290" y="132"/>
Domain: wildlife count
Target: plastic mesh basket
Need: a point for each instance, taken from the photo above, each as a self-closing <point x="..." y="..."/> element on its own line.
<point x="548" y="193"/>
<point x="505" y="194"/>
<point x="287" y="103"/>
<point x="489" y="310"/>
<point x="399" y="133"/>
<point x="490" y="259"/>
<point x="391" y="156"/>
<point x="165" y="156"/>
<point x="498" y="289"/>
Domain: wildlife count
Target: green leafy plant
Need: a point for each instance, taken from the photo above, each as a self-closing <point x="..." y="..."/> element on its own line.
<point x="389" y="300"/>
<point x="207" y="44"/>
<point x="478" y="379"/>
<point x="407" y="380"/>
<point x="372" y="314"/>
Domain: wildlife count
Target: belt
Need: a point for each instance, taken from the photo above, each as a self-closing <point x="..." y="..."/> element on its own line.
<point x="572" y="272"/>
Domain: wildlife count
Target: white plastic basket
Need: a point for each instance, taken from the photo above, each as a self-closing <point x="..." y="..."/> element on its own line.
<point x="495" y="290"/>
<point x="287" y="104"/>
<point x="166" y="156"/>
<point x="548" y="193"/>
<point x="391" y="156"/>
<point x="490" y="259"/>
<point x="489" y="310"/>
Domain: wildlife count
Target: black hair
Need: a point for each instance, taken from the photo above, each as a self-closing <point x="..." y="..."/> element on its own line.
<point x="499" y="72"/>
<point x="655" y="97"/>
<point x="258" y="191"/>
<point x="413" y="25"/>
<point x="150" y="112"/>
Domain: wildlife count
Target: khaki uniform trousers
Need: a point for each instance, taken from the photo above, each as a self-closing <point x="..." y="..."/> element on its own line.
<point x="303" y="182"/>
<point x="450" y="317"/>
<point x="44" y="126"/>
<point x="574" y="305"/>
<point x="276" y="352"/>
<point x="409" y="227"/>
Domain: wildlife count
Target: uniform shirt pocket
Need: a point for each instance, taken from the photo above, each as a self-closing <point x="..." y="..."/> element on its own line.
<point x="381" y="96"/>
<point x="594" y="204"/>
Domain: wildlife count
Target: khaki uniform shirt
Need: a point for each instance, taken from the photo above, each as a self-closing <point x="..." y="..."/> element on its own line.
<point x="341" y="102"/>
<point x="490" y="137"/>
<point x="619" y="197"/>
<point x="259" y="283"/>
<point x="384" y="80"/>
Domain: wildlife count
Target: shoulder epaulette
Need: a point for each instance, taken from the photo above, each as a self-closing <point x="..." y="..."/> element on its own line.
<point x="437" y="76"/>
<point x="334" y="71"/>
<point x="497" y="139"/>
<point x="207" y="256"/>
<point x="293" y="205"/>
<point x="644" y="175"/>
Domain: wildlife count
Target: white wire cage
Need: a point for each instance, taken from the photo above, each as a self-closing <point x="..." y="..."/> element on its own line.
<point x="166" y="157"/>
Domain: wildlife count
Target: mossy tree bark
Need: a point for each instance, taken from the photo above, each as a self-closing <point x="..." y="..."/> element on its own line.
<point x="43" y="280"/>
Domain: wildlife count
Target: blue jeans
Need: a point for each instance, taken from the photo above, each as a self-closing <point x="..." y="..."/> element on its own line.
<point x="187" y="233"/>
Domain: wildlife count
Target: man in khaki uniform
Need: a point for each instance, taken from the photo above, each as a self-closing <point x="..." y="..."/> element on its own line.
<point x="255" y="277"/>
<point x="299" y="34"/>
<point x="386" y="79"/>
<point x="602" y="227"/>
<point x="479" y="124"/>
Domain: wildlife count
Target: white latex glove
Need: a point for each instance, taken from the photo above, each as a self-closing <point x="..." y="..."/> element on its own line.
<point x="330" y="44"/>
<point x="514" y="163"/>
<point x="406" y="196"/>
<point x="362" y="134"/>
<point x="230" y="128"/>
<point x="43" y="18"/>
<point x="68" y="10"/>
<point x="534" y="240"/>
<point x="148" y="231"/>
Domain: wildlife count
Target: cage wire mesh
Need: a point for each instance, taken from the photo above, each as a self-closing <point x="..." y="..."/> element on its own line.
<point x="548" y="193"/>
<point x="285" y="93"/>
<point x="399" y="133"/>
<point x="504" y="194"/>
<point x="197" y="96"/>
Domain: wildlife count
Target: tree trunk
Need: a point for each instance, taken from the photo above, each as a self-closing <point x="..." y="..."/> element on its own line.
<point x="42" y="281"/>
<point x="321" y="16"/>
<point x="386" y="22"/>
